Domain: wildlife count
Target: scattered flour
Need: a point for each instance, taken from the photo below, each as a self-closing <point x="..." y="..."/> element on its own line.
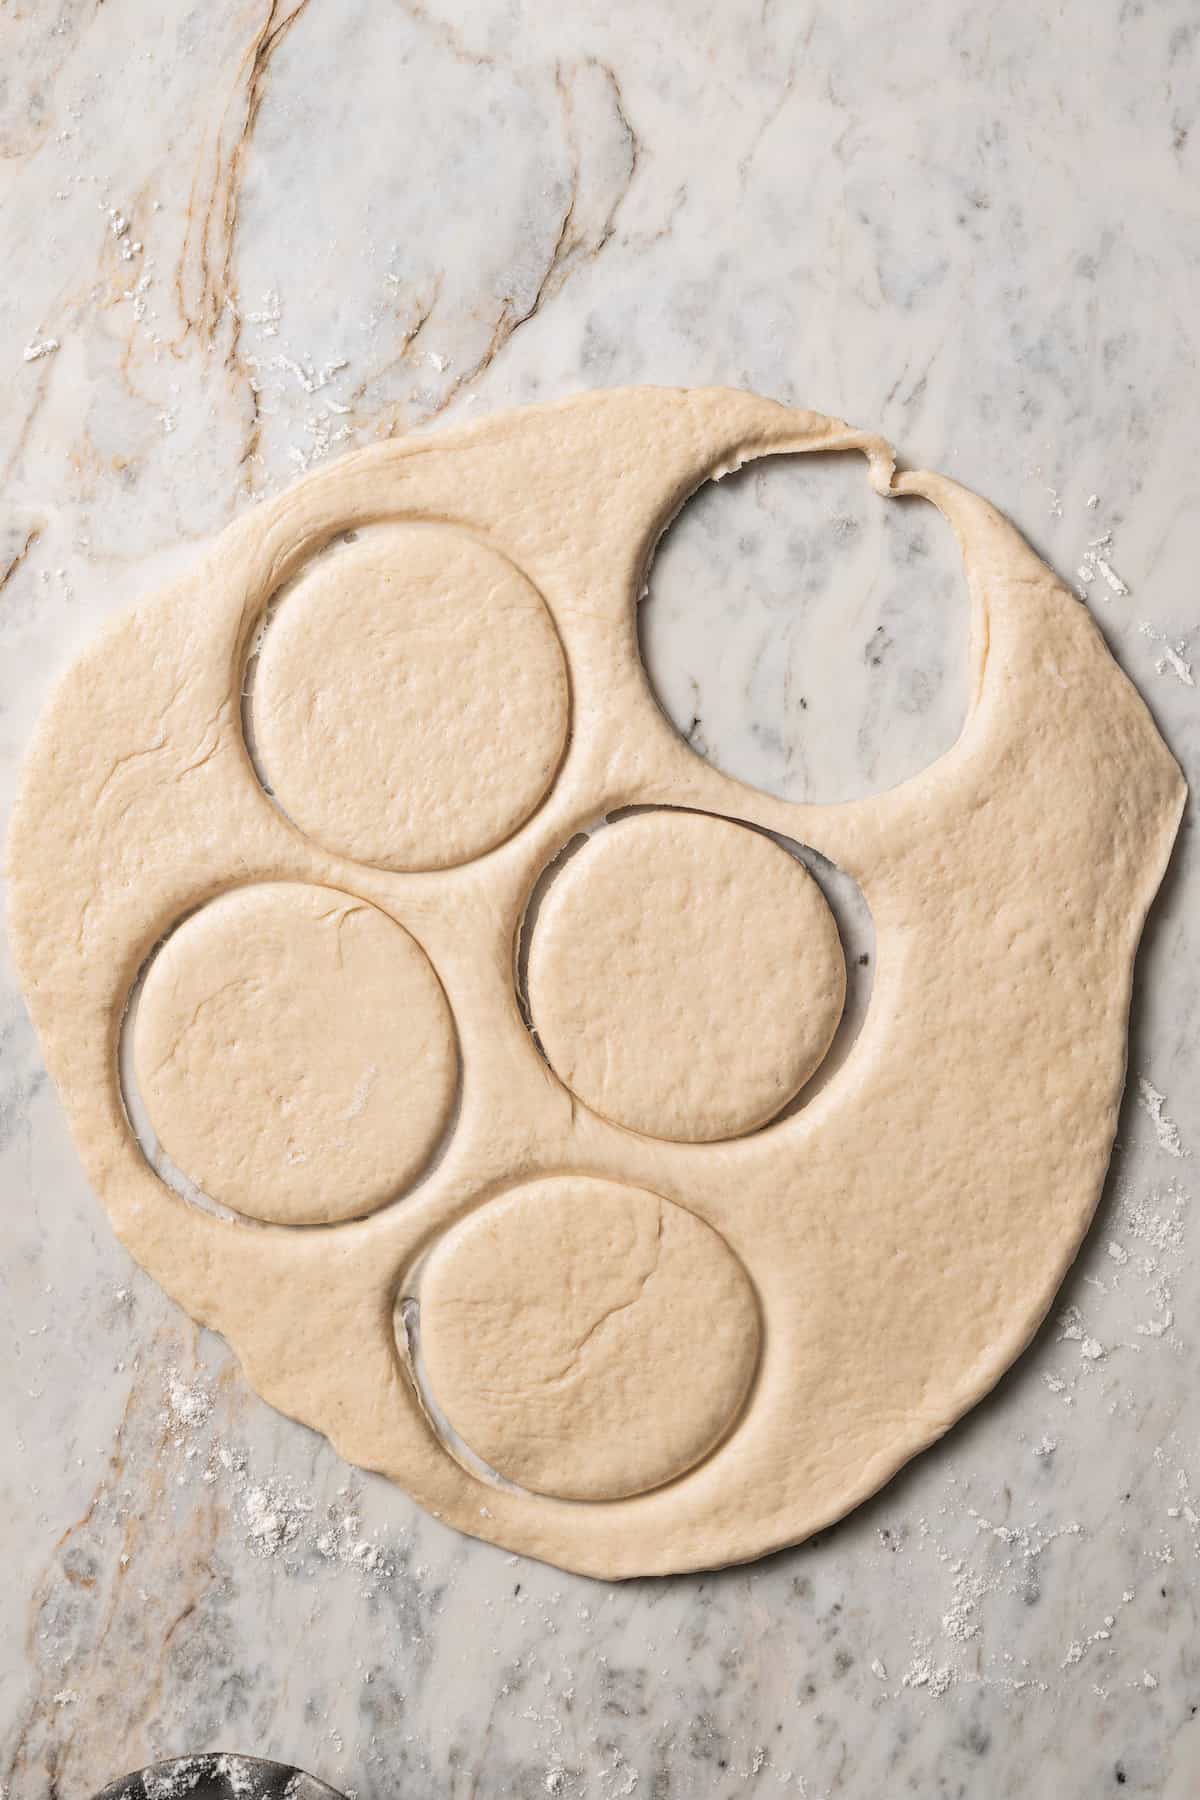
<point x="268" y="316"/>
<point x="119" y="225"/>
<point x="1142" y="1256"/>
<point x="962" y="1621"/>
<point x="1152" y="1102"/>
<point x="1161" y="1229"/>
<point x="1091" y="1350"/>
<point x="362" y="1092"/>
<point x="188" y="1406"/>
<point x="272" y="1519"/>
<point x="1172" y="658"/>
<point x="1096" y="561"/>
<point x="922" y="1672"/>
<point x="311" y="379"/>
<point x="278" y="1519"/>
<point x="188" y="1775"/>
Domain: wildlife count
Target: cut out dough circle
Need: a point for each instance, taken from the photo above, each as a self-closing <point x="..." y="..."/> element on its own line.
<point x="685" y="976"/>
<point x="587" y="1340"/>
<point x="411" y="699"/>
<point x="904" y="1232"/>
<point x="316" y="1019"/>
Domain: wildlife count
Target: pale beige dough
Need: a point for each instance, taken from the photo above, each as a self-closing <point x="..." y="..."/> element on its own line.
<point x="410" y="703"/>
<point x="685" y="976"/>
<point x="295" y="1053"/>
<point x="585" y="1339"/>
<point x="904" y="1229"/>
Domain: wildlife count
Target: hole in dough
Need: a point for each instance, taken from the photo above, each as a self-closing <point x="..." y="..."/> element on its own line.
<point x="405" y="700"/>
<point x="289" y="1056"/>
<point x="582" y="1339"/>
<point x="682" y="974"/>
<point x="805" y="634"/>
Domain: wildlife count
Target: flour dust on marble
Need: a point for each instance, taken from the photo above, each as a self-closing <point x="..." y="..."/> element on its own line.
<point x="1097" y="577"/>
<point x="1121" y="1306"/>
<point x="278" y="1517"/>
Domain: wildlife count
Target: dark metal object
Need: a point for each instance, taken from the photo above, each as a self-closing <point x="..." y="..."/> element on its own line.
<point x="219" y="1777"/>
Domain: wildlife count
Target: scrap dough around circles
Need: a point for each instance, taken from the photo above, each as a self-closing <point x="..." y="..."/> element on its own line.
<point x="588" y="1340"/>
<point x="686" y="976"/>
<point x="410" y="703"/>
<point x="904" y="1230"/>
<point x="295" y="1053"/>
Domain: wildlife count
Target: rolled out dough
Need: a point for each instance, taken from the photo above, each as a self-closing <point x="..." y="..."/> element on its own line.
<point x="898" y="1237"/>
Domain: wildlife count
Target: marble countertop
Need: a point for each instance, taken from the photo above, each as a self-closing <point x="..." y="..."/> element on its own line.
<point x="243" y="236"/>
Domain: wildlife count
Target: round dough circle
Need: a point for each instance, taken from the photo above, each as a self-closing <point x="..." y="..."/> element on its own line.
<point x="588" y="1340"/>
<point x="410" y="705"/>
<point x="295" y="1053"/>
<point x="686" y="976"/>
